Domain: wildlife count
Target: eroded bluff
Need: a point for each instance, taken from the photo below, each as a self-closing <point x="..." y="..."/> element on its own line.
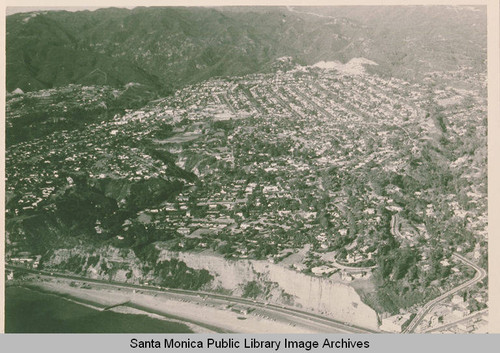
<point x="208" y="272"/>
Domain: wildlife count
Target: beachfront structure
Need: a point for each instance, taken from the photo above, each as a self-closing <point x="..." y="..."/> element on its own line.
<point x="395" y="323"/>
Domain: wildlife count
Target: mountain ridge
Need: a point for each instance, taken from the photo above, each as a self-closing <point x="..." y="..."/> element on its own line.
<point x="168" y="48"/>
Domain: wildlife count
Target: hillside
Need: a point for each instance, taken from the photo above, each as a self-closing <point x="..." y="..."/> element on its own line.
<point x="313" y="167"/>
<point x="332" y="145"/>
<point x="167" y="48"/>
<point x="40" y="113"/>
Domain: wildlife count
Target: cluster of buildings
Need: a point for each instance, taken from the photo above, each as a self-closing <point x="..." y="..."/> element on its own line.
<point x="281" y="160"/>
<point x="465" y="312"/>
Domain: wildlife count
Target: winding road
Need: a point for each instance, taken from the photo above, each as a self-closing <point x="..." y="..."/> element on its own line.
<point x="479" y="276"/>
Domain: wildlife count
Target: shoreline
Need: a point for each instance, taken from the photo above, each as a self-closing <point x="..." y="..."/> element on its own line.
<point x="199" y="315"/>
<point x="120" y="309"/>
<point x="123" y="309"/>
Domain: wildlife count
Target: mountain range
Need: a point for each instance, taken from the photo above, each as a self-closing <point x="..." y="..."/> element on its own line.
<point x="168" y="48"/>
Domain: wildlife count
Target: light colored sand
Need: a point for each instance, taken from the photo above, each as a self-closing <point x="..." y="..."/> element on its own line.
<point x="127" y="310"/>
<point x="197" y="312"/>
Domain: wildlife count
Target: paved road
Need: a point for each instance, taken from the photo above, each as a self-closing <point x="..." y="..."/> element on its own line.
<point x="223" y="97"/>
<point x="284" y="104"/>
<point x="248" y="93"/>
<point x="454" y="323"/>
<point x="479" y="276"/>
<point x="352" y="268"/>
<point x="309" y="100"/>
<point x="291" y="315"/>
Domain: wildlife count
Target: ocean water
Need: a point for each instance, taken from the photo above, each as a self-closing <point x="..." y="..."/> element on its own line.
<point x="29" y="311"/>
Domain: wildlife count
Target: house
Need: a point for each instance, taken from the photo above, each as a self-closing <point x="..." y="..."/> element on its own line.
<point x="183" y="230"/>
<point x="466" y="327"/>
<point x="321" y="270"/>
<point x="444" y="263"/>
<point x="457" y="299"/>
<point x="479" y="298"/>
<point x="345" y="276"/>
<point x="395" y="323"/>
<point x="357" y="275"/>
<point x="299" y="267"/>
<point x="37" y="261"/>
<point x="461" y="312"/>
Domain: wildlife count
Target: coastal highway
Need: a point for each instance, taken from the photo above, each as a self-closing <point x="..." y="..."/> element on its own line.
<point x="287" y="314"/>
<point x="479" y="276"/>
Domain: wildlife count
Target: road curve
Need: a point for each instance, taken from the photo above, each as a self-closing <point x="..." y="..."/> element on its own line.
<point x="479" y="276"/>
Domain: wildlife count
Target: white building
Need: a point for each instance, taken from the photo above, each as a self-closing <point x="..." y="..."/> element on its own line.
<point x="457" y="299"/>
<point x="466" y="327"/>
<point x="321" y="270"/>
<point x="395" y="323"/>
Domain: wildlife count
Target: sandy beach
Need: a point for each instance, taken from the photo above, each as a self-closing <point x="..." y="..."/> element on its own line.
<point x="201" y="316"/>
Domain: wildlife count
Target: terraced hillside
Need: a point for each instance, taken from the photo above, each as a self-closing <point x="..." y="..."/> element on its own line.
<point x="307" y="168"/>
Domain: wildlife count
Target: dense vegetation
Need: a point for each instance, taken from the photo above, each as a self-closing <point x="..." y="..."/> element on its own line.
<point x="70" y="108"/>
<point x="389" y="175"/>
<point x="175" y="274"/>
<point x="166" y="48"/>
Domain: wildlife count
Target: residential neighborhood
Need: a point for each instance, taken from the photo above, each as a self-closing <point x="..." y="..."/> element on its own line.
<point x="325" y="172"/>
